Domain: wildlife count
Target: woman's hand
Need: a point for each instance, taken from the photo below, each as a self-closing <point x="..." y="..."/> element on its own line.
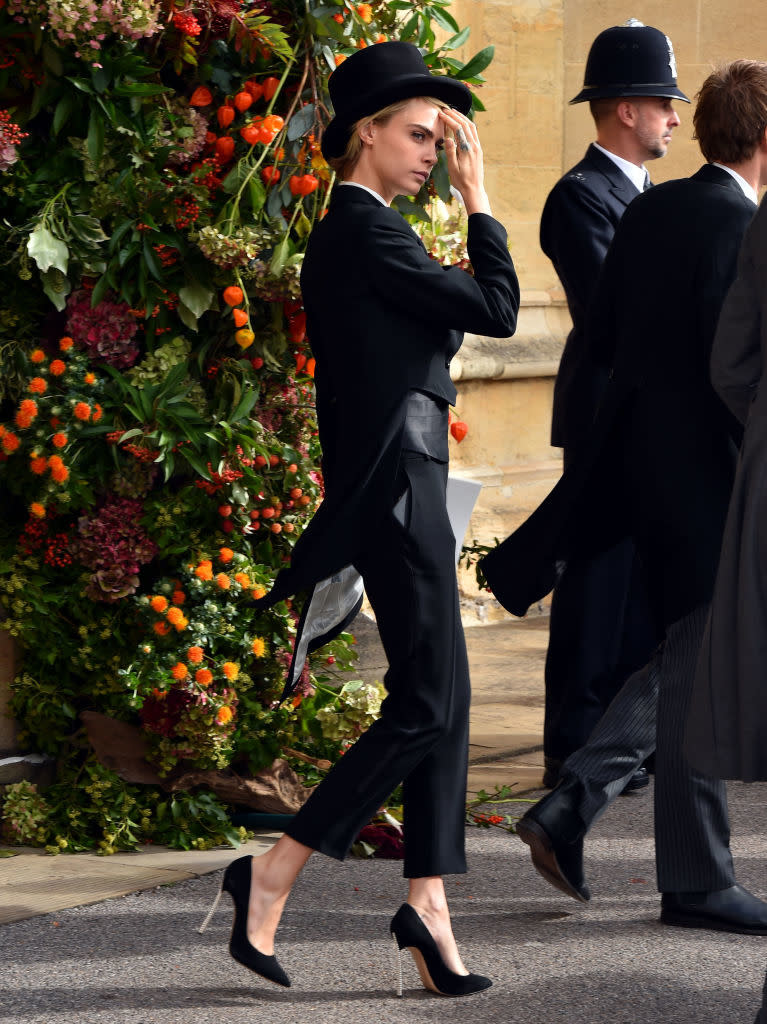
<point x="464" y="160"/>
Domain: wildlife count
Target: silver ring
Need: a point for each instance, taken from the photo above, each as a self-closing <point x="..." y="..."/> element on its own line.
<point x="463" y="145"/>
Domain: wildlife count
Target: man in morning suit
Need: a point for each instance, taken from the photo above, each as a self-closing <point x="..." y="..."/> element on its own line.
<point x="601" y="628"/>
<point x="658" y="466"/>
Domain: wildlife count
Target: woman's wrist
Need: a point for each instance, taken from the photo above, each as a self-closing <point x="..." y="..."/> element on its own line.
<point x="475" y="200"/>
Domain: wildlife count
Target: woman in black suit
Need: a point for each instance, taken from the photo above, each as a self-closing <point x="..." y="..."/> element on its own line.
<point x="384" y="321"/>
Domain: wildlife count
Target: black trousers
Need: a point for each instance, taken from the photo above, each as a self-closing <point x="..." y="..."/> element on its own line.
<point x="601" y="630"/>
<point x="421" y="738"/>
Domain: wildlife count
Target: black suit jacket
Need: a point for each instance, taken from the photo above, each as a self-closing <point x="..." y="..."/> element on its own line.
<point x="382" y="318"/>
<point x="577" y="225"/>
<point x="659" y="461"/>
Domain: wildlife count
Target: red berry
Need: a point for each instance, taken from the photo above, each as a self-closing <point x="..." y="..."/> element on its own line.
<point x="274" y="460"/>
<point x="224" y="510"/>
<point x="260" y="460"/>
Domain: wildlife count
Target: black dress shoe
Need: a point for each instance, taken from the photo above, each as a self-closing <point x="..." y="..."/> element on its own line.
<point x="554" y="834"/>
<point x="724" y="910"/>
<point x="639" y="780"/>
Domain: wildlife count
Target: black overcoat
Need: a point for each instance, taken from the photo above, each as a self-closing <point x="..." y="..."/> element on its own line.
<point x="382" y="318"/>
<point x="659" y="461"/>
<point x="727" y="727"/>
<point x="577" y="225"/>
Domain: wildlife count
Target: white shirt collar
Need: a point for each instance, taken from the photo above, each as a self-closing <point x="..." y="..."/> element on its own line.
<point x="370" y="190"/>
<point x="636" y="175"/>
<point x="748" y="190"/>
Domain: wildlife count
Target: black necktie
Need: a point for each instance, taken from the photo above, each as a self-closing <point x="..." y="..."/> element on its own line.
<point x="647" y="182"/>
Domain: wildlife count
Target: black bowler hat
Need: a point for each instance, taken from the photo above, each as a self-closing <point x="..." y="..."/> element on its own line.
<point x="630" y="60"/>
<point x="377" y="76"/>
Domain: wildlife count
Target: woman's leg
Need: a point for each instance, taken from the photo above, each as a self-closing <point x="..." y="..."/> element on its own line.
<point x="273" y="875"/>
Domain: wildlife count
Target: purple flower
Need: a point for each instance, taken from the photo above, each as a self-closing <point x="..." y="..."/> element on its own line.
<point x="113" y="545"/>
<point x="106" y="332"/>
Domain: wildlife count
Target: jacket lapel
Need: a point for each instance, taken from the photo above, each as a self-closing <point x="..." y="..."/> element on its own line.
<point x="620" y="186"/>
<point x="718" y="176"/>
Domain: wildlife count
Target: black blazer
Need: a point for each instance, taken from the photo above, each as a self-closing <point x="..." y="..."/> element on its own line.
<point x="382" y="318"/>
<point x="658" y="463"/>
<point x="577" y="225"/>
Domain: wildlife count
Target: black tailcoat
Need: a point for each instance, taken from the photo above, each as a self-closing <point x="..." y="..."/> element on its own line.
<point x="658" y="463"/>
<point x="382" y="318"/>
<point x="727" y="729"/>
<point x="577" y="225"/>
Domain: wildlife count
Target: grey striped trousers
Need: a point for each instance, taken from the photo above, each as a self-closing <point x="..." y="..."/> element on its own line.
<point x="692" y="832"/>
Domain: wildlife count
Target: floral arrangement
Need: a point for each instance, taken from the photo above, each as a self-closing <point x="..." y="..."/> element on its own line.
<point x="160" y="171"/>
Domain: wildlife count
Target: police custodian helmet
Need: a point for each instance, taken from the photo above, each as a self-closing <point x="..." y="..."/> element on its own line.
<point x="630" y="60"/>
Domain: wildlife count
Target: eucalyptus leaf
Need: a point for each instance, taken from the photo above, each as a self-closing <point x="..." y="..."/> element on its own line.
<point x="56" y="286"/>
<point x="301" y="122"/>
<point x="46" y="250"/>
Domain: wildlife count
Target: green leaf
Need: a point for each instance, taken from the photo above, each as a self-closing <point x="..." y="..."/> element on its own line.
<point x="62" y="113"/>
<point x="196" y="297"/>
<point x="46" y="250"/>
<point x="150" y="259"/>
<point x="88" y="229"/>
<point x="477" y="63"/>
<point x="95" y="140"/>
<point x="279" y="256"/>
<point x="257" y="194"/>
<point x="444" y="19"/>
<point x="186" y="316"/>
<point x="56" y="286"/>
<point x="457" y="40"/>
<point x="244" y="406"/>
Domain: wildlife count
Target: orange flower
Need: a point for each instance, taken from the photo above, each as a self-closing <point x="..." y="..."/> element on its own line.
<point x="98" y="412"/>
<point x="60" y="474"/>
<point x="194" y="655"/>
<point x="37" y="356"/>
<point x="59" y="440"/>
<point x="158" y="603"/>
<point x="243" y="579"/>
<point x="179" y="671"/>
<point x="37" y="510"/>
<point x="28" y="407"/>
<point x="365" y="11"/>
<point x="223" y="581"/>
<point x="38" y="465"/>
<point x="10" y="442"/>
<point x="182" y="623"/>
<point x="231" y="670"/>
<point x="82" y="411"/>
<point x="258" y="646"/>
<point x="22" y="421"/>
<point x="65" y="344"/>
<point x="340" y="58"/>
<point x="57" y="367"/>
<point x="37" y="386"/>
<point x="226" y="555"/>
<point x="161" y="628"/>
<point x="224" y="715"/>
<point x="204" y="571"/>
<point x="204" y="676"/>
<point x="257" y="593"/>
<point x="178" y="597"/>
<point x="175" y="615"/>
<point x="90" y="377"/>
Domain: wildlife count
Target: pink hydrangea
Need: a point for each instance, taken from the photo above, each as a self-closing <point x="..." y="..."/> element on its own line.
<point x="113" y="545"/>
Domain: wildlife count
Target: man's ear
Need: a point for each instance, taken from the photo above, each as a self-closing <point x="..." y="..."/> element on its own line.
<point x="626" y="112"/>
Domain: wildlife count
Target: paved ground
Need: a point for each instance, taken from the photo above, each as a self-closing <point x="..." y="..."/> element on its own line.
<point x="137" y="959"/>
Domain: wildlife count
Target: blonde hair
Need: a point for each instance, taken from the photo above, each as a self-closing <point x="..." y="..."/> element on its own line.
<point x="346" y="162"/>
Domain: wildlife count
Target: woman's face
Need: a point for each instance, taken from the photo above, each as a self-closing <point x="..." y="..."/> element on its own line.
<point x="399" y="154"/>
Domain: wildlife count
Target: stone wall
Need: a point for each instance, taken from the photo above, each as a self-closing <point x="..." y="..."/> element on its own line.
<point x="530" y="136"/>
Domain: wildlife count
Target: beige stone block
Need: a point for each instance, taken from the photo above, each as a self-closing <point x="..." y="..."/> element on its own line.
<point x="585" y="19"/>
<point x="729" y="31"/>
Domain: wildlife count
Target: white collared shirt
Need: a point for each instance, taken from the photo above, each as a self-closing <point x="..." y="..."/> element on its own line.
<point x="636" y="175"/>
<point x="370" y="190"/>
<point x="748" y="190"/>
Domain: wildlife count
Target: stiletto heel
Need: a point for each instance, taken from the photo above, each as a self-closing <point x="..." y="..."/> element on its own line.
<point x="398" y="963"/>
<point x="237" y="883"/>
<point x="409" y="932"/>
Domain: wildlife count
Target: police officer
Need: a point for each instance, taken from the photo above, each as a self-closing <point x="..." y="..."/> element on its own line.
<point x="601" y="627"/>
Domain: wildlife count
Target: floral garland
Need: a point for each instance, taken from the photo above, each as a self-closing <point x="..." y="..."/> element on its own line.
<point x="161" y="171"/>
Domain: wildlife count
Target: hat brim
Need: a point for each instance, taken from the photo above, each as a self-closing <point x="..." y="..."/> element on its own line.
<point x="611" y="92"/>
<point x="449" y="90"/>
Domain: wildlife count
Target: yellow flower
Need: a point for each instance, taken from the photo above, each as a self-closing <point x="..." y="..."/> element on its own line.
<point x="231" y="670"/>
<point x="258" y="646"/>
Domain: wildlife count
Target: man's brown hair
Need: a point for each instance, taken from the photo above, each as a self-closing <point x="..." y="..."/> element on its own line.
<point x="731" y="112"/>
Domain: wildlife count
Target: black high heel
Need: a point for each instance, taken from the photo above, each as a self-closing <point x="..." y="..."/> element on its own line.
<point x="409" y="932"/>
<point x="236" y="882"/>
